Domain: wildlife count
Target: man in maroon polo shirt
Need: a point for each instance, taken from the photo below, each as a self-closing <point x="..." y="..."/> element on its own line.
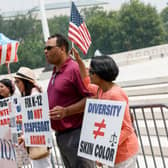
<point x="67" y="96"/>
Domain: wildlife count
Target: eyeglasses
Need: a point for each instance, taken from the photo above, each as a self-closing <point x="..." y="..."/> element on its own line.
<point x="48" y="48"/>
<point x="91" y="71"/>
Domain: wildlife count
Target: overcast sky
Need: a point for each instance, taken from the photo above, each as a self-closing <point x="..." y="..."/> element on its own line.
<point x="10" y="5"/>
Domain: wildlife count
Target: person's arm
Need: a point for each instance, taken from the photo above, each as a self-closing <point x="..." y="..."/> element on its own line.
<point x="125" y="132"/>
<point x="82" y="67"/>
<point x="58" y="112"/>
<point x="83" y="73"/>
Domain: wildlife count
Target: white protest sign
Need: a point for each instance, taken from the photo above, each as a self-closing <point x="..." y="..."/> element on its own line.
<point x="101" y="130"/>
<point x="4" y="111"/>
<point x="36" y="121"/>
<point x="17" y="111"/>
<point x="7" y="153"/>
<point x="15" y="116"/>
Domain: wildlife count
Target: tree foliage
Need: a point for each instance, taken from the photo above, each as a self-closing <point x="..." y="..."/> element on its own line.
<point x="134" y="26"/>
<point x="164" y="18"/>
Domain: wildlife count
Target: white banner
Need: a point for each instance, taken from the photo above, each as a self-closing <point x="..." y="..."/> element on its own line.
<point x="15" y="115"/>
<point x="101" y="130"/>
<point x="4" y="111"/>
<point x="11" y="154"/>
<point x="7" y="152"/>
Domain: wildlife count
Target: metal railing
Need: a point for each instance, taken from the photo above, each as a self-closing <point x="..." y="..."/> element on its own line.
<point x="151" y="126"/>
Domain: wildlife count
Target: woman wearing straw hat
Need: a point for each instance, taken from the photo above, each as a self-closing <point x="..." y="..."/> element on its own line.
<point x="26" y="82"/>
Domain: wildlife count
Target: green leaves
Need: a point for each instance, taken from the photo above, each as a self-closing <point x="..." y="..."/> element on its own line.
<point x="164" y="18"/>
<point x="134" y="26"/>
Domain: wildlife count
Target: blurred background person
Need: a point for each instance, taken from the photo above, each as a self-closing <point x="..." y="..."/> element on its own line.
<point x="7" y="88"/>
<point x="26" y="82"/>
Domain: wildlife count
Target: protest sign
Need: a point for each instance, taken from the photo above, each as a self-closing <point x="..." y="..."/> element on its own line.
<point x="17" y="110"/>
<point x="36" y="122"/>
<point x="7" y="152"/>
<point x="4" y="111"/>
<point x="101" y="130"/>
<point x="15" y="116"/>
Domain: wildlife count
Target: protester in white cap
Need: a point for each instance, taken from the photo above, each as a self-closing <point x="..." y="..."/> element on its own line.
<point x="25" y="80"/>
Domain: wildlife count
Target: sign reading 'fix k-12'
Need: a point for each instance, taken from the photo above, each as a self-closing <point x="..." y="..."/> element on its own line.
<point x="36" y="122"/>
<point x="101" y="130"/>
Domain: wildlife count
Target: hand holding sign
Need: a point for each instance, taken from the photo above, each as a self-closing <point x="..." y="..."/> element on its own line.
<point x="58" y="113"/>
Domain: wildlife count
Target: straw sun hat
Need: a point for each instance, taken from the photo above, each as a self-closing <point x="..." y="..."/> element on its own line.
<point x="26" y="73"/>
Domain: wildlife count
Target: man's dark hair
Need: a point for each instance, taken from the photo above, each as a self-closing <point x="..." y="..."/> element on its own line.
<point x="61" y="41"/>
<point x="105" y="67"/>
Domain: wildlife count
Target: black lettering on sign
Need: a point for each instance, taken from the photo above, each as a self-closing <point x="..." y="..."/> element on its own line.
<point x="102" y="152"/>
<point x="33" y="101"/>
<point x="3" y="103"/>
<point x="28" y="102"/>
<point x="39" y="100"/>
<point x="86" y="147"/>
<point x="7" y="150"/>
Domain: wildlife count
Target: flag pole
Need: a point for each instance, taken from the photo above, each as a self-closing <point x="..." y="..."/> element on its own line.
<point x="9" y="72"/>
<point x="73" y="46"/>
<point x="8" y="67"/>
<point x="44" y="21"/>
<point x="45" y="28"/>
<point x="72" y="56"/>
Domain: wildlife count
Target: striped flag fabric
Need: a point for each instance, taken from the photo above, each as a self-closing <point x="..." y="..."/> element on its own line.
<point x="78" y="32"/>
<point x="8" y="50"/>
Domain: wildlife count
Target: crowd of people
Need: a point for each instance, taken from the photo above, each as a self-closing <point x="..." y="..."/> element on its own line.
<point x="70" y="85"/>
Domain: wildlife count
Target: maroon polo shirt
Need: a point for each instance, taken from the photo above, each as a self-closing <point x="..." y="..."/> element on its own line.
<point x="66" y="88"/>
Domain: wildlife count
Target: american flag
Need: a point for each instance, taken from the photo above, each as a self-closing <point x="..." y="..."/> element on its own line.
<point x="78" y="32"/>
<point x="8" y="50"/>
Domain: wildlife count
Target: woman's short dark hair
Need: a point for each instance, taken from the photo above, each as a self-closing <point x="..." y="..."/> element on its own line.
<point x="105" y="67"/>
<point x="8" y="83"/>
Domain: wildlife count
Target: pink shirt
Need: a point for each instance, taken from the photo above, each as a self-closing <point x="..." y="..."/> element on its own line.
<point x="128" y="142"/>
<point x="66" y="88"/>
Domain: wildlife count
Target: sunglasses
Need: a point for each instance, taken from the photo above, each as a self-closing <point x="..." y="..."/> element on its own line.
<point x="91" y="71"/>
<point x="48" y="48"/>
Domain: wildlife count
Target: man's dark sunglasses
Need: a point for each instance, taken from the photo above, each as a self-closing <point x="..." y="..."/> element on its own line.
<point x="49" y="47"/>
